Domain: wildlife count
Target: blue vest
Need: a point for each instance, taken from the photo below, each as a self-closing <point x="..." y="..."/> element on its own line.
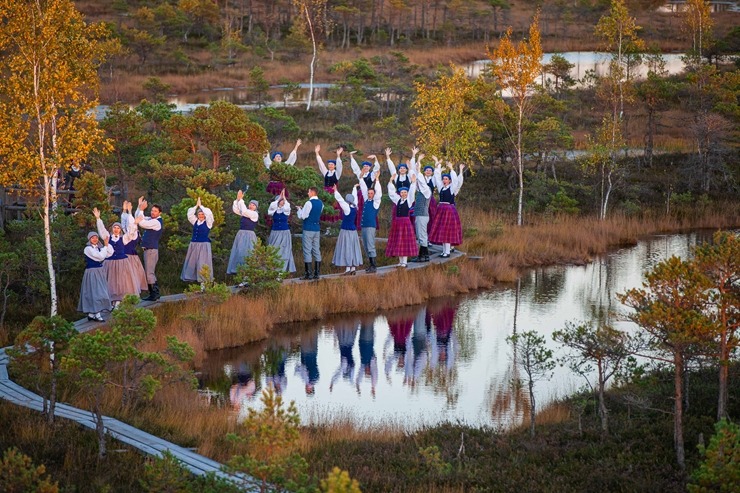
<point x="312" y="222"/>
<point x="402" y="208"/>
<point x="150" y="239"/>
<point x="119" y="251"/>
<point x="247" y="224"/>
<point x="90" y="263"/>
<point x="330" y="181"/>
<point x="280" y="222"/>
<point x="130" y="247"/>
<point x="200" y="233"/>
<point x="348" y="221"/>
<point x="369" y="215"/>
<point x="447" y="196"/>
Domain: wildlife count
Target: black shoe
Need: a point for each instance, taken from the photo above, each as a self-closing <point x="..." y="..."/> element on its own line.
<point x="316" y="270"/>
<point x="153" y="292"/>
<point x="444" y="255"/>
<point x="95" y="319"/>
<point x="307" y="276"/>
<point x="425" y="258"/>
<point x="150" y="290"/>
<point x="373" y="266"/>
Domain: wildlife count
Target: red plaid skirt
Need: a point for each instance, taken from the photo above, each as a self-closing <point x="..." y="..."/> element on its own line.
<point x="402" y="239"/>
<point x="432" y="212"/>
<point x="446" y="227"/>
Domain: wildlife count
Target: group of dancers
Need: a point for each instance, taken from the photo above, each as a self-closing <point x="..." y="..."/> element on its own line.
<point x="114" y="268"/>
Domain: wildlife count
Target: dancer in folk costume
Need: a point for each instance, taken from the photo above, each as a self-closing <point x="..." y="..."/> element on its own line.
<point x="199" y="251"/>
<point x="402" y="177"/>
<point x="280" y="235"/>
<point x="331" y="172"/>
<point x="346" y="333"/>
<point x="368" y="360"/>
<point x="308" y="367"/>
<point x="402" y="239"/>
<point x="132" y="256"/>
<point x="365" y="173"/>
<point x="347" y="251"/>
<point x="311" y="214"/>
<point x="421" y="211"/>
<point x="370" y="200"/>
<point x="275" y="186"/>
<point x="245" y="238"/>
<point x="447" y="229"/>
<point x="427" y="175"/>
<point x="153" y="227"/>
<point x="94" y="297"/>
<point x="122" y="279"/>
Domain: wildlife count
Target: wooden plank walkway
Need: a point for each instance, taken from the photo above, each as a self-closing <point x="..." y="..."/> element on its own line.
<point x="145" y="442"/>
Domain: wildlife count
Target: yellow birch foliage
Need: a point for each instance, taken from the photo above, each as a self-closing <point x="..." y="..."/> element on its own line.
<point x="444" y="124"/>
<point x="698" y="24"/>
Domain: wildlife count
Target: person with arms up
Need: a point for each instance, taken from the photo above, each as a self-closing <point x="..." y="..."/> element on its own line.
<point x="199" y="251"/>
<point x="153" y="227"/>
<point x="132" y="256"/>
<point x="366" y="174"/>
<point x="310" y="213"/>
<point x="447" y="229"/>
<point x="94" y="297"/>
<point x="275" y="186"/>
<point x="371" y="199"/>
<point x="245" y="238"/>
<point x="121" y="278"/>
<point x="280" y="235"/>
<point x="347" y="252"/>
<point x="401" y="240"/>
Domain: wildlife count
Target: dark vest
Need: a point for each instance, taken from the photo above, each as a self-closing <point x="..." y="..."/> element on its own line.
<point x="200" y="233"/>
<point x="150" y="239"/>
<point x="348" y="221"/>
<point x="280" y="222"/>
<point x="330" y="180"/>
<point x="430" y="183"/>
<point x="369" y="215"/>
<point x="119" y="252"/>
<point x="368" y="181"/>
<point x="90" y="263"/>
<point x="130" y="247"/>
<point x="402" y="208"/>
<point x="402" y="182"/>
<point x="447" y="196"/>
<point x="311" y="223"/>
<point x="247" y="224"/>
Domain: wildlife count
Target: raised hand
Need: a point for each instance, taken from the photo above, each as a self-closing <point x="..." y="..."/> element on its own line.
<point x="105" y="240"/>
<point x="352" y="153"/>
<point x="197" y="204"/>
<point x="239" y="195"/>
<point x="340" y="150"/>
<point x="96" y="213"/>
<point x="462" y="168"/>
<point x="421" y="156"/>
<point x="388" y="151"/>
<point x="372" y="156"/>
<point x="414" y="151"/>
<point x="143" y="205"/>
<point x="298" y="143"/>
<point x="282" y="194"/>
<point x="138" y="219"/>
<point x="436" y="159"/>
<point x="317" y="149"/>
<point x="335" y="188"/>
<point x="376" y="175"/>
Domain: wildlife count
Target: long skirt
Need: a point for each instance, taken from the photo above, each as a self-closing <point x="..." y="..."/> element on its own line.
<point x="121" y="279"/>
<point x="199" y="254"/>
<point x="274" y="187"/>
<point x="446" y="227"/>
<point x="134" y="263"/>
<point x="242" y="247"/>
<point x="283" y="240"/>
<point x="432" y="213"/>
<point x="328" y="215"/>
<point x="402" y="239"/>
<point x="94" y="295"/>
<point x="347" y="252"/>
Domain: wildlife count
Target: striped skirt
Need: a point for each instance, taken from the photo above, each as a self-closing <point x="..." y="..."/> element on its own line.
<point x="242" y="247"/>
<point x="283" y="241"/>
<point x="402" y="239"/>
<point x="199" y="254"/>
<point x="134" y="263"/>
<point x="94" y="295"/>
<point x="347" y="252"/>
<point x="121" y="279"/>
<point x="432" y="212"/>
<point x="446" y="227"/>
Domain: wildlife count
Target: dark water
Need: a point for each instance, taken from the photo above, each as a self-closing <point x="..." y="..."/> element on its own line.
<point x="444" y="361"/>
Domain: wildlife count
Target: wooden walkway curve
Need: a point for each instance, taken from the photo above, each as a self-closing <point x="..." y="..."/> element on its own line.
<point x="145" y="442"/>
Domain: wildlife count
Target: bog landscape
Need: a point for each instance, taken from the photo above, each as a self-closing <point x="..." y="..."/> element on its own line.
<point x="369" y="245"/>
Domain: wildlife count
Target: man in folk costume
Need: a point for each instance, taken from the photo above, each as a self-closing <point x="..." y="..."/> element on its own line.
<point x="274" y="187"/>
<point x="94" y="296"/>
<point x="422" y="199"/>
<point x="199" y="250"/>
<point x="132" y="256"/>
<point x="370" y="200"/>
<point x="331" y="172"/>
<point x="347" y="252"/>
<point x="366" y="174"/>
<point x="447" y="229"/>
<point x="310" y="213"/>
<point x="245" y="238"/>
<point x="153" y="227"/>
<point x="401" y="240"/>
<point x="280" y="235"/>
<point x="121" y="279"/>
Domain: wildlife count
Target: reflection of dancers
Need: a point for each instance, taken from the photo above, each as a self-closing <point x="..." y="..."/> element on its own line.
<point x="308" y="370"/>
<point x="274" y="359"/>
<point x="419" y="345"/>
<point x="244" y="388"/>
<point x="346" y="338"/>
<point x="368" y="361"/>
<point x="443" y="319"/>
<point x="400" y="329"/>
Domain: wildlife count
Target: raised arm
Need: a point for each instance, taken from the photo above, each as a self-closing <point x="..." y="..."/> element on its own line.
<point x="355" y="167"/>
<point x="363" y="188"/>
<point x="340" y="200"/>
<point x="293" y="156"/>
<point x="339" y="168"/>
<point x="102" y="232"/>
<point x="267" y="160"/>
<point x="191" y="215"/>
<point x="392" y="191"/>
<point x="389" y="161"/>
<point x="98" y="255"/>
<point x="322" y="166"/>
<point x="457" y="184"/>
<point x="378" y="193"/>
<point x="437" y="174"/>
<point x="209" y="216"/>
<point x="412" y="191"/>
<point x="240" y="208"/>
<point x="421" y="184"/>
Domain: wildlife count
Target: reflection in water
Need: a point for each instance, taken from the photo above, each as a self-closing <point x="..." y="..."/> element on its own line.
<point x="444" y="361"/>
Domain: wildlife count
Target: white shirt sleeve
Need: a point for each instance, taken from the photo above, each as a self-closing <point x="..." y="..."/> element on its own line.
<point x="209" y="216"/>
<point x="378" y="194"/>
<point x="392" y="193"/>
<point x="191" y="215"/>
<point x="338" y="169"/>
<point x="239" y="208"/>
<point x="125" y="220"/>
<point x="412" y="194"/>
<point x="322" y="166"/>
<point x="98" y="255"/>
<point x="354" y="194"/>
<point x="391" y="166"/>
<point x="422" y="186"/>
<point x="457" y="184"/>
<point x="292" y="157"/>
<point x="286" y="208"/>
<point x="272" y="209"/>
<point x="438" y="177"/>
<point x="342" y="203"/>
<point x="363" y="189"/>
<point x="102" y="232"/>
<point x="376" y="166"/>
<point x="267" y="160"/>
<point x="130" y="231"/>
<point x="355" y="167"/>
<point x="149" y="223"/>
<point x="304" y="211"/>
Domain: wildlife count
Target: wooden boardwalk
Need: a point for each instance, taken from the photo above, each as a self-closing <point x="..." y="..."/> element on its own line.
<point x="145" y="442"/>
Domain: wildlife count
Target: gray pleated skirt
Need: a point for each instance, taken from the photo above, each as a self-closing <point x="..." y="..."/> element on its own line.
<point x="242" y="247"/>
<point x="347" y="253"/>
<point x="94" y="295"/>
<point x="199" y="254"/>
<point x="121" y="279"/>
<point x="136" y="267"/>
<point x="283" y="240"/>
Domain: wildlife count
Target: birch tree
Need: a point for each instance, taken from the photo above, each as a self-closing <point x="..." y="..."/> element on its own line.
<point x="49" y="58"/>
<point x="698" y="24"/>
<point x="313" y="13"/>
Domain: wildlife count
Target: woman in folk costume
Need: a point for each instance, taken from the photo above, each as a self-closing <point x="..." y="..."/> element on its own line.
<point x="447" y="229"/>
<point x="132" y="256"/>
<point x="121" y="278"/>
<point x="280" y="235"/>
<point x="245" y="238"/>
<point x="331" y="172"/>
<point x="347" y="252"/>
<point x="402" y="239"/>
<point x="94" y="296"/>
<point x="402" y="177"/>
<point x="275" y="186"/>
<point x="365" y="173"/>
<point x="346" y="333"/>
<point x="199" y="251"/>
